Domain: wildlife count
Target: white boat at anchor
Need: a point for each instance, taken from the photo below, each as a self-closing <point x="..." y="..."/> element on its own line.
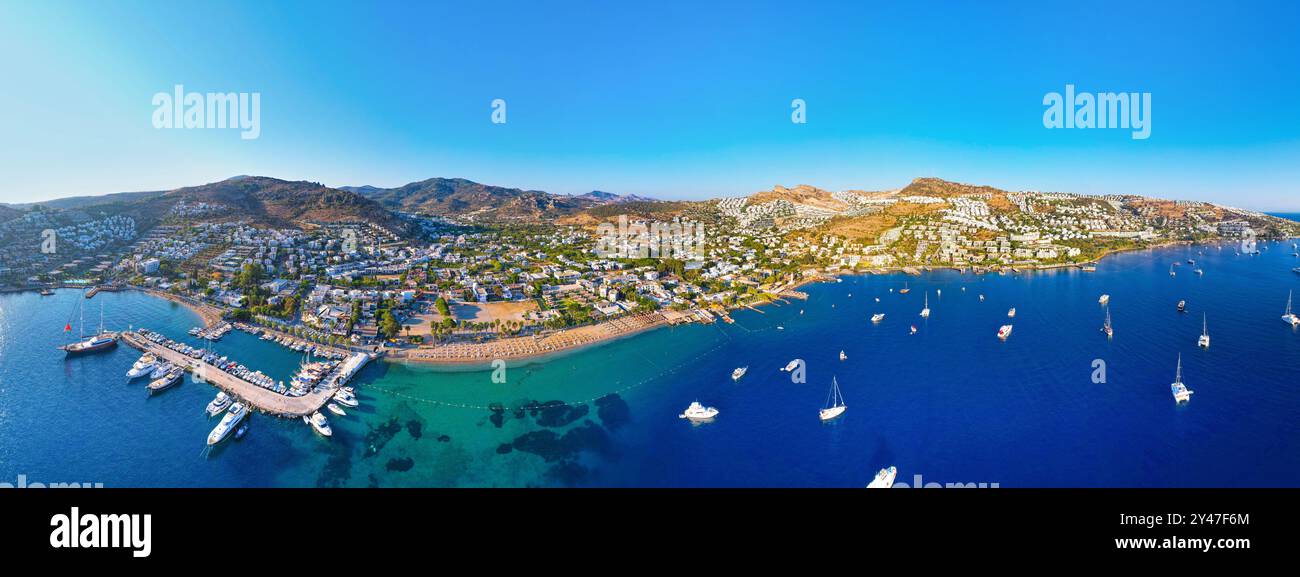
<point x="925" y="312"/>
<point x="1290" y="317"/>
<point x="843" y="357"/>
<point x="1004" y="332"/>
<point x="1204" y="341"/>
<point x="697" y="412"/>
<point x="1104" y="299"/>
<point x="142" y="367"/>
<point x="319" y="423"/>
<point x="333" y="408"/>
<point x="1180" y="391"/>
<point x="346" y="399"/>
<point x="218" y="404"/>
<point x="877" y="317"/>
<point x="884" y="478"/>
<point x="834" y="403"/>
<point x="223" y="429"/>
<point x="1011" y="314"/>
<point x="739" y="372"/>
<point x="792" y="365"/>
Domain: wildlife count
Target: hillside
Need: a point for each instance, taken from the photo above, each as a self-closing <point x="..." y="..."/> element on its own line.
<point x="466" y="198"/>
<point x="276" y="202"/>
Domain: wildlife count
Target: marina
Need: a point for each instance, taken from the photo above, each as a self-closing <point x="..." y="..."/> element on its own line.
<point x="257" y="395"/>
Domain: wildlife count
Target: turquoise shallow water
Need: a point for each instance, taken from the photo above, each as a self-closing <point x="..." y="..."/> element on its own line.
<point x="951" y="403"/>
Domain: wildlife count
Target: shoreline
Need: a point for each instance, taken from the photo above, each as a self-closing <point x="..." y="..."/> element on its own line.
<point x="541" y="348"/>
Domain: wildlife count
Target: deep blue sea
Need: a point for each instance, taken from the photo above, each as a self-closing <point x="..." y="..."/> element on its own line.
<point x="951" y="403"/>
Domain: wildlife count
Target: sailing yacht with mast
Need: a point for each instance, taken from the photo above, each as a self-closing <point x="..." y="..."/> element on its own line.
<point x="925" y="312"/>
<point x="1290" y="317"/>
<point x="1107" y="328"/>
<point x="1180" y="391"/>
<point x="101" y="341"/>
<point x="1204" y="341"/>
<point x="834" y="403"/>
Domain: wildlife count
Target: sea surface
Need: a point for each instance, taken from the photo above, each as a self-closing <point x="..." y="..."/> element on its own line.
<point x="951" y="403"/>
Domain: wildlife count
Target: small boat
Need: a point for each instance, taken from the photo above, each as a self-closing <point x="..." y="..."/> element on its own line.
<point x="1204" y="341"/>
<point x="228" y="423"/>
<point x="877" y="317"/>
<point x="166" y="381"/>
<point x="1182" y="306"/>
<point x="925" y="312"/>
<point x="1180" y="391"/>
<point x="46" y="292"/>
<point x="1199" y="272"/>
<point x="834" y="403"/>
<point x="792" y="365"/>
<point x="346" y="399"/>
<point x="1290" y="317"/>
<point x="981" y="298"/>
<point x="739" y="372"/>
<point x="697" y="412"/>
<point x="1106" y="328"/>
<point x="319" y="423"/>
<point x="1011" y="314"/>
<point x="241" y="431"/>
<point x="1191" y="261"/>
<point x="160" y="369"/>
<point x="1089" y="268"/>
<point x="843" y="356"/>
<point x="1171" y="270"/>
<point x="1004" y="332"/>
<point x="780" y="328"/>
<point x="913" y="329"/>
<point x="142" y="367"/>
<point x="904" y="290"/>
<point x="335" y="409"/>
<point x="1104" y="299"/>
<point x="218" y="404"/>
<point x="884" y="479"/>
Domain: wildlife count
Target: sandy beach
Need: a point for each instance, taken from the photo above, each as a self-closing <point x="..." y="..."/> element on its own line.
<point x="531" y="346"/>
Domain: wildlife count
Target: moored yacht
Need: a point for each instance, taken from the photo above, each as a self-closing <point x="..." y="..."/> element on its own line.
<point x="346" y="399"/>
<point x="877" y="317"/>
<point x="1179" y="390"/>
<point x="1107" y="328"/>
<point x="218" y="404"/>
<point x="336" y="409"/>
<point x="223" y="429"/>
<point x="834" y="403"/>
<point x="884" y="478"/>
<point x="843" y="356"/>
<point x="698" y="412"/>
<point x="925" y="312"/>
<point x="166" y="381"/>
<point x="1011" y="314"/>
<point x="1204" y="341"/>
<point x="142" y="367"/>
<point x="1182" y="306"/>
<point x="1290" y="317"/>
<point x="739" y="372"/>
<point x="1103" y="299"/>
<point x="1004" y="332"/>
<point x="319" y="423"/>
<point x="791" y="365"/>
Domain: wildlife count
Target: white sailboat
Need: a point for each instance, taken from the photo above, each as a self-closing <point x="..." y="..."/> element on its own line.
<point x="834" y="403"/>
<point x="1290" y="317"/>
<point x="925" y="312"/>
<point x="843" y="357"/>
<point x="1204" y="341"/>
<point x="1179" y="390"/>
<point x="1107" y="328"/>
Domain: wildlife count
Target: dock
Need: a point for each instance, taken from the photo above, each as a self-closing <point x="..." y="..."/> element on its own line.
<point x="256" y="397"/>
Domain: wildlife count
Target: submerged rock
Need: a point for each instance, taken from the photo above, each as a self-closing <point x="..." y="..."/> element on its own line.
<point x="613" y="411"/>
<point x="400" y="465"/>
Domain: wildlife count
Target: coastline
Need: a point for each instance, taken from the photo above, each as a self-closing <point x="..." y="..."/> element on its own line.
<point x="540" y="348"/>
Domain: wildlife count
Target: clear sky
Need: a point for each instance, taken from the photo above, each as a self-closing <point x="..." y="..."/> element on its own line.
<point x="674" y="100"/>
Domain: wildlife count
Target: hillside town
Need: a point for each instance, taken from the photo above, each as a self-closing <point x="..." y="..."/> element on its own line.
<point x="462" y="284"/>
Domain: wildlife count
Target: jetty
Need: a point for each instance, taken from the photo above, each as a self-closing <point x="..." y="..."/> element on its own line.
<point x="262" y="399"/>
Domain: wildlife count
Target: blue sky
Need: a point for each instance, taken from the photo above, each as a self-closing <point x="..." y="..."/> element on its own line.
<point x="674" y="100"/>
